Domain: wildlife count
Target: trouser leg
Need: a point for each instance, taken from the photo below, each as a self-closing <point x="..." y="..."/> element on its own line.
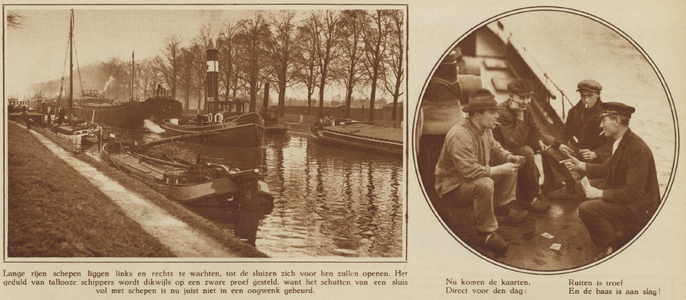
<point x="604" y="220"/>
<point x="527" y="176"/>
<point x="552" y="168"/>
<point x="481" y="192"/>
<point x="505" y="188"/>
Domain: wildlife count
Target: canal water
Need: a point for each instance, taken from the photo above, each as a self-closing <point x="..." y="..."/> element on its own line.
<point x="329" y="202"/>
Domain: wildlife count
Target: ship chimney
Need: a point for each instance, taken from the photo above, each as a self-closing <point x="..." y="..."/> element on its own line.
<point x="212" y="75"/>
<point x="265" y="102"/>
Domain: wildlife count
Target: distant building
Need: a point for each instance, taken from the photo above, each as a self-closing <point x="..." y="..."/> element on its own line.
<point x="388" y="111"/>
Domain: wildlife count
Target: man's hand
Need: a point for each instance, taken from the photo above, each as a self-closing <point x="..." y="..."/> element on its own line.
<point x="588" y="154"/>
<point x="516" y="159"/>
<point x="593" y="193"/>
<point x="505" y="169"/>
<point x="542" y="145"/>
<point x="566" y="150"/>
<point x="574" y="165"/>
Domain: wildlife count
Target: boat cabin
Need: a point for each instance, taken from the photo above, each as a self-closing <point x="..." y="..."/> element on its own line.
<point x="175" y="177"/>
<point x="270" y="116"/>
<point x="219" y="110"/>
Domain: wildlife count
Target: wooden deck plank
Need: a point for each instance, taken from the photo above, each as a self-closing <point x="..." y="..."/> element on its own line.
<point x="367" y="130"/>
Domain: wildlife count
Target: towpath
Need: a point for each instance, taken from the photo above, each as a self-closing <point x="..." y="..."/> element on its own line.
<point x="181" y="239"/>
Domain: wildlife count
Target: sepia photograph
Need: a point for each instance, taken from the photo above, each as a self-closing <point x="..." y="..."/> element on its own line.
<point x="343" y="149"/>
<point x="205" y="131"/>
<point x="546" y="140"/>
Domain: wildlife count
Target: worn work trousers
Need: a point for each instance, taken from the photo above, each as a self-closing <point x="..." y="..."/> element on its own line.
<point x="483" y="195"/>
<point x="605" y="220"/>
<point x="550" y="159"/>
<point x="527" y="176"/>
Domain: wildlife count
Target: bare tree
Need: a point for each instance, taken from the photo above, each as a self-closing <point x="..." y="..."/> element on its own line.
<point x="172" y="53"/>
<point x="352" y="48"/>
<point x="160" y="67"/>
<point x="375" y="39"/>
<point x="14" y="20"/>
<point x="251" y="38"/>
<point x="326" y="30"/>
<point x="306" y="71"/>
<point x="201" y="43"/>
<point x="394" y="74"/>
<point x="186" y="78"/>
<point x="228" y="77"/>
<point x="150" y="76"/>
<point x="281" y="47"/>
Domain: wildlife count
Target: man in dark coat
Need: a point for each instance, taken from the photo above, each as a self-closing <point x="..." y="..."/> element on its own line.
<point x="580" y="137"/>
<point x="27" y="119"/>
<point x="518" y="133"/>
<point x="627" y="197"/>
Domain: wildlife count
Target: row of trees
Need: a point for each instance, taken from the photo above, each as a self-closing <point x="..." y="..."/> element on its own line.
<point x="360" y="51"/>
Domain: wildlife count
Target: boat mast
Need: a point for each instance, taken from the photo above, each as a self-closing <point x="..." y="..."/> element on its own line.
<point x="133" y="69"/>
<point x="71" y="66"/>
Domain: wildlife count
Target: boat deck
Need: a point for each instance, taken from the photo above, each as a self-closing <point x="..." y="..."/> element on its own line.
<point x="370" y="131"/>
<point x="139" y="166"/>
<point x="529" y="249"/>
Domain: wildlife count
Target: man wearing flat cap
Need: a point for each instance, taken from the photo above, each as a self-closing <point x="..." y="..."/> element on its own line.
<point x="580" y="137"/>
<point x="476" y="176"/>
<point x="518" y="132"/>
<point x="628" y="194"/>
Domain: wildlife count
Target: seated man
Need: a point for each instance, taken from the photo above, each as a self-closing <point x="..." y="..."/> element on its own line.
<point x="475" y="176"/>
<point x="580" y="137"/>
<point x="518" y="133"/>
<point x="621" y="204"/>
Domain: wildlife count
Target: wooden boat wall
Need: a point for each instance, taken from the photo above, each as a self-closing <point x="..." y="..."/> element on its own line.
<point x="89" y="132"/>
<point x="359" y="135"/>
<point x="490" y="58"/>
<point x="196" y="184"/>
<point x="271" y="122"/>
<point x="132" y="114"/>
<point x="232" y="126"/>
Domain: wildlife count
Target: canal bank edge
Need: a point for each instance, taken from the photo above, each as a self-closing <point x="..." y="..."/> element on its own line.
<point x="230" y="246"/>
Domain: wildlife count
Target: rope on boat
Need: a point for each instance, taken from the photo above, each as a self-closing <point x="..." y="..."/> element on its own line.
<point x="545" y="74"/>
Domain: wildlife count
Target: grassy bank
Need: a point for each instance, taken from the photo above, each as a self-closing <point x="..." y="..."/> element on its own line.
<point x="54" y="212"/>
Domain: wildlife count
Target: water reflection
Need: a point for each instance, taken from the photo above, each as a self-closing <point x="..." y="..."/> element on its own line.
<point x="329" y="202"/>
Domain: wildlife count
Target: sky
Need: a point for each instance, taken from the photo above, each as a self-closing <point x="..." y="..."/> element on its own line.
<point x="37" y="51"/>
<point x="571" y="48"/>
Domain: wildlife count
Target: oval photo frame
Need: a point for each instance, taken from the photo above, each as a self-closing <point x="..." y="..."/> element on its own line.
<point x="491" y="56"/>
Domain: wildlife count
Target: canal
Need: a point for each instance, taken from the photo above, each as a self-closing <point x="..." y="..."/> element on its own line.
<point x="329" y="202"/>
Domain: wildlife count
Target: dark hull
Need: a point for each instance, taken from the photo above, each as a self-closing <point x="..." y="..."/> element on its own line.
<point x="89" y="134"/>
<point x="244" y="131"/>
<point x="277" y="129"/>
<point x="214" y="192"/>
<point x="362" y="136"/>
<point x="130" y="115"/>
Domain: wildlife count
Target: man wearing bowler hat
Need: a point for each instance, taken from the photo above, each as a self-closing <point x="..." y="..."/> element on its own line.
<point x="580" y="137"/>
<point x="476" y="176"/>
<point x="518" y="132"/>
<point x="627" y="196"/>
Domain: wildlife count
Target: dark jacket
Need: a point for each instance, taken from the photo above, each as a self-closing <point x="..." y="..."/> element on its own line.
<point x="630" y="176"/>
<point x="513" y="133"/>
<point x="584" y="124"/>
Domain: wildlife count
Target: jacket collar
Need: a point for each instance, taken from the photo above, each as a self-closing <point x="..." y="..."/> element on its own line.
<point x="597" y="106"/>
<point x="472" y="127"/>
<point x="625" y="139"/>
